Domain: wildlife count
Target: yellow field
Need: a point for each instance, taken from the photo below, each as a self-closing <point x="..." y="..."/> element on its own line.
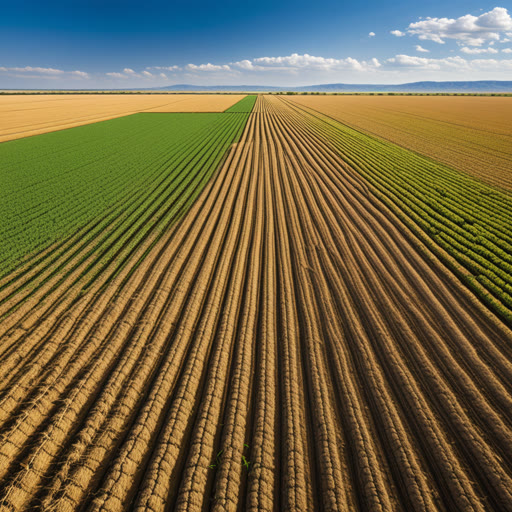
<point x="21" y="116"/>
<point x="471" y="134"/>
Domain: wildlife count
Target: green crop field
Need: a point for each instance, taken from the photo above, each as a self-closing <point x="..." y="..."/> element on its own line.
<point x="246" y="105"/>
<point x="126" y="168"/>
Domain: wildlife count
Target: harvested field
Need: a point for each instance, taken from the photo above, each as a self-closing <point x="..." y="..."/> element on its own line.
<point x="286" y="345"/>
<point x="472" y="134"/>
<point x="22" y="116"/>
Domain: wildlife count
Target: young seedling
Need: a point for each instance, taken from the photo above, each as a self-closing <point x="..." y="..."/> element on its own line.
<point x="217" y="461"/>
<point x="246" y="463"/>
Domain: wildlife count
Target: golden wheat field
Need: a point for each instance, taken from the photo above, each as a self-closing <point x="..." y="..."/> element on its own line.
<point x="471" y="133"/>
<point x="24" y="115"/>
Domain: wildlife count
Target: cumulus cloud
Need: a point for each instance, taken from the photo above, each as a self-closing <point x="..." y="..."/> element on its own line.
<point x="397" y="33"/>
<point x="130" y="73"/>
<point x="207" y="67"/>
<point x="165" y="68"/>
<point x="421" y="49"/>
<point x="296" y="62"/>
<point x="371" y="34"/>
<point x="507" y="50"/>
<point x="457" y="64"/>
<point x="116" y="75"/>
<point x="411" y="61"/>
<point x="477" y="51"/>
<point x="244" y="64"/>
<point x="469" y="30"/>
<point x="163" y="75"/>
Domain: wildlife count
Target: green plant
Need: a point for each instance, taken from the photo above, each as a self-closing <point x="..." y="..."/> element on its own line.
<point x="217" y="460"/>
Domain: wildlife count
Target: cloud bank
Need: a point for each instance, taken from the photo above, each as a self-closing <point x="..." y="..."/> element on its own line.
<point x="40" y="72"/>
<point x="468" y="30"/>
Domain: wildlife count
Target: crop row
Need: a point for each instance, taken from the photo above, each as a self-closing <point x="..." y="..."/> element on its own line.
<point x="245" y="105"/>
<point x="470" y="134"/>
<point x="56" y="183"/>
<point x="138" y="215"/>
<point x="465" y="222"/>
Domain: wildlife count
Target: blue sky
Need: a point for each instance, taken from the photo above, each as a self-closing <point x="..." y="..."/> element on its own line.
<point x="116" y="44"/>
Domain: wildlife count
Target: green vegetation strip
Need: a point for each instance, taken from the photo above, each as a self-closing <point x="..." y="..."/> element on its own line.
<point x="245" y="105"/>
<point x="466" y="223"/>
<point x="115" y="180"/>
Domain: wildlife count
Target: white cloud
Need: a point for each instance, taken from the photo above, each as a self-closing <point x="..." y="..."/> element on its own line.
<point x="371" y="34"/>
<point x="491" y="64"/>
<point x="130" y="73"/>
<point x="454" y="64"/>
<point x="207" y="67"/>
<point x="245" y="64"/>
<point x="470" y="30"/>
<point x="397" y="33"/>
<point x="43" y="71"/>
<point x="421" y="49"/>
<point x="411" y="61"/>
<point x="163" y="75"/>
<point x="507" y="50"/>
<point x="81" y="74"/>
<point x="296" y="62"/>
<point x="37" y="72"/>
<point x="116" y="75"/>
<point x="165" y="68"/>
<point x="477" y="51"/>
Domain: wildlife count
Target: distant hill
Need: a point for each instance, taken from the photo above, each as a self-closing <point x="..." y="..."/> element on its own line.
<point x="220" y="88"/>
<point x="473" y="86"/>
<point x="483" y="86"/>
<point x="478" y="86"/>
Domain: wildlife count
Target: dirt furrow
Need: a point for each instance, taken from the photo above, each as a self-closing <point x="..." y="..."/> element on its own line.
<point x="501" y="485"/>
<point x="150" y="419"/>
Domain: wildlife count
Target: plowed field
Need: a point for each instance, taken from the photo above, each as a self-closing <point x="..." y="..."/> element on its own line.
<point x="22" y="116"/>
<point x="472" y="134"/>
<point x="286" y="345"/>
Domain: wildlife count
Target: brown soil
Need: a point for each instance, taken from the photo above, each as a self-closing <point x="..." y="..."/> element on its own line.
<point x="283" y="347"/>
